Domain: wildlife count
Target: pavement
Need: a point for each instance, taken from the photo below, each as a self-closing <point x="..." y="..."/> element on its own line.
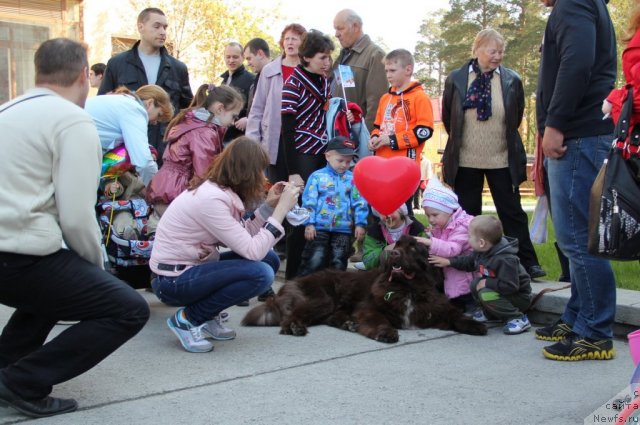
<point x="336" y="377"/>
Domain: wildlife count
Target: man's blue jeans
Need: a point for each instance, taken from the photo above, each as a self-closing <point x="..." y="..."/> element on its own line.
<point x="207" y="289"/>
<point x="592" y="305"/>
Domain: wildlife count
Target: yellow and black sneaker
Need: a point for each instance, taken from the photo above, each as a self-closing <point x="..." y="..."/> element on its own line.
<point x="574" y="348"/>
<point x="556" y="332"/>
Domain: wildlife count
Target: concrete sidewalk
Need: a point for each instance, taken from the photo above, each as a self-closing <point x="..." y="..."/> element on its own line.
<point x="335" y="377"/>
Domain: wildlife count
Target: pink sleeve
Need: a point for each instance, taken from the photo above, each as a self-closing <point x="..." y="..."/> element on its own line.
<point x="454" y="245"/>
<point x="217" y="217"/>
<point x="205" y="146"/>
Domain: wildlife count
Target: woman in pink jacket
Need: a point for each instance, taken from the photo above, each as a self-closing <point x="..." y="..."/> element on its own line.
<point x="449" y="238"/>
<point x="191" y="270"/>
<point x="194" y="139"/>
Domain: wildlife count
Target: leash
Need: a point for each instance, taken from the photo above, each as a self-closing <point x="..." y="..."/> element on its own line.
<point x="544" y="291"/>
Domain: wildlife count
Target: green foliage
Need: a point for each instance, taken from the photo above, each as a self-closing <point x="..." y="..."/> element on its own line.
<point x="447" y="38"/>
<point x="626" y="272"/>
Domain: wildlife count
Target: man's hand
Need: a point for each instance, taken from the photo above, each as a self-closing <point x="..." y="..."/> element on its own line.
<point x="552" y="143"/>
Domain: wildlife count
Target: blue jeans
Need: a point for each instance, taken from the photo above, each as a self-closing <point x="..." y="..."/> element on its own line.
<point x="327" y="247"/>
<point x="207" y="289"/>
<point x="592" y="305"/>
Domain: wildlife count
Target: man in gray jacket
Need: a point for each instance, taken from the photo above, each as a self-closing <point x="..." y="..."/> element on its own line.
<point x="51" y="262"/>
<point x="365" y="59"/>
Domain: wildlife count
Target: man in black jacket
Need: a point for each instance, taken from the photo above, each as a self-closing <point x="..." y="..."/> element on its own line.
<point x="577" y="72"/>
<point x="148" y="62"/>
<point x="239" y="78"/>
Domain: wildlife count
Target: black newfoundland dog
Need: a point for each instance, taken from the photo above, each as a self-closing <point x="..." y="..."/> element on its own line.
<point x="401" y="294"/>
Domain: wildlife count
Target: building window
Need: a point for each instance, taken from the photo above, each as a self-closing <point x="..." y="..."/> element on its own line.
<point x="18" y="44"/>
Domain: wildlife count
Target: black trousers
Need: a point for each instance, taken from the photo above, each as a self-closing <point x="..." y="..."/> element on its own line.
<point x="61" y="286"/>
<point x="295" y="240"/>
<point x="468" y="187"/>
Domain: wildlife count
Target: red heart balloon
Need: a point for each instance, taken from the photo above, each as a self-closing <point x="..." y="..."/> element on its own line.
<point x="386" y="183"/>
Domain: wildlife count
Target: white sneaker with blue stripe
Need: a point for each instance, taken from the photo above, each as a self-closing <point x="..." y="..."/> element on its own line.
<point x="190" y="336"/>
<point x="517" y="326"/>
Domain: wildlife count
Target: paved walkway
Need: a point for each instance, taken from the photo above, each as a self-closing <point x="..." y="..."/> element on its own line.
<point x="335" y="377"/>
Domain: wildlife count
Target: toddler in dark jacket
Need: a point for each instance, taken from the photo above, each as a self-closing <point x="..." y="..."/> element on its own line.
<point x="502" y="287"/>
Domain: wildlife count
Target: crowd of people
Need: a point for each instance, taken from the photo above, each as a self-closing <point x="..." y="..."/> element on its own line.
<point x="247" y="164"/>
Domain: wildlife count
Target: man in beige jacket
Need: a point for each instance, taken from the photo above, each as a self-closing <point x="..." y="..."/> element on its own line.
<point x="51" y="262"/>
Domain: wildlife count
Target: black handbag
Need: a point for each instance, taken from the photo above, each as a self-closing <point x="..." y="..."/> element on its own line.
<point x="614" y="207"/>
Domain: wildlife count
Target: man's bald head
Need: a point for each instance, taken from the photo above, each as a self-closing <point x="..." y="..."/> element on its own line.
<point x="348" y="26"/>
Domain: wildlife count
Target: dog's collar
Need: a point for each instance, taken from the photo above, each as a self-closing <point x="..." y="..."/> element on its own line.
<point x="388" y="295"/>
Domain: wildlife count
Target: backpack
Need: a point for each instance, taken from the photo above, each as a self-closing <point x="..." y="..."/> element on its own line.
<point x="338" y="125"/>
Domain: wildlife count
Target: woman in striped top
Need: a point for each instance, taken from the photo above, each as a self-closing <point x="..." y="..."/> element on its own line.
<point x="305" y="96"/>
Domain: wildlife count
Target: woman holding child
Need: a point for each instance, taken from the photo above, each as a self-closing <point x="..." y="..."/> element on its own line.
<point x="191" y="270"/>
<point x="482" y="108"/>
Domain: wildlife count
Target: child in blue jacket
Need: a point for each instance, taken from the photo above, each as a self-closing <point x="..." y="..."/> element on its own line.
<point x="335" y="208"/>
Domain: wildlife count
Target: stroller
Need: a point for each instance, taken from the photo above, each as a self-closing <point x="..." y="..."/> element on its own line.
<point x="123" y="216"/>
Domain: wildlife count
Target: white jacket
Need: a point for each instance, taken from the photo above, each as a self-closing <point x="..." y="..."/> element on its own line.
<point x="50" y="171"/>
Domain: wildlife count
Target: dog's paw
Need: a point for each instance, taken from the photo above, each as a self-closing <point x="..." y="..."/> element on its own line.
<point x="388" y="335"/>
<point x="298" y="329"/>
<point x="350" y="326"/>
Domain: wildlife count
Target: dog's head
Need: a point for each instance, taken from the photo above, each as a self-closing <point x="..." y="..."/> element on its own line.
<point x="407" y="260"/>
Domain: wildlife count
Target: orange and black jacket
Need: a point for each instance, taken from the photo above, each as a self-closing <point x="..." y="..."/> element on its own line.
<point x="409" y="115"/>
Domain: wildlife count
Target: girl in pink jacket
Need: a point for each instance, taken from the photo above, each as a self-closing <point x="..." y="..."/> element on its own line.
<point x="193" y="271"/>
<point x="194" y="139"/>
<point x="449" y="238"/>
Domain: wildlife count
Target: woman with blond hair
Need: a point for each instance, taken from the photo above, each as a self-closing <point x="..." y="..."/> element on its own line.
<point x="482" y="108"/>
<point x="123" y="117"/>
<point x="191" y="270"/>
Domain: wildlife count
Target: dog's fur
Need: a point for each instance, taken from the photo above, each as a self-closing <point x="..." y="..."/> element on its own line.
<point x="401" y="294"/>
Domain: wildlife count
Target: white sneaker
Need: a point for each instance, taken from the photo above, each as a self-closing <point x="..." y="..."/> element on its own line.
<point x="190" y="336"/>
<point x="216" y="330"/>
<point x="517" y="326"/>
<point x="359" y="266"/>
<point x="479" y="316"/>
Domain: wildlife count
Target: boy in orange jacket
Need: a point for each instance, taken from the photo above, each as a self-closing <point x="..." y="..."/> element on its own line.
<point x="404" y="120"/>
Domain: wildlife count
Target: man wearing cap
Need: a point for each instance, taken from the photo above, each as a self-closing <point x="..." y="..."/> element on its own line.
<point x="335" y="208"/>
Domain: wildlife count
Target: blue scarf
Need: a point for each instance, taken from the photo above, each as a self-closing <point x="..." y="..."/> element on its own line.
<point x="479" y="93"/>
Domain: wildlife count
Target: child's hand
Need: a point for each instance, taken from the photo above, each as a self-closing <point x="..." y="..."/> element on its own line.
<point x="350" y="117"/>
<point x="359" y="233"/>
<point x="481" y="285"/>
<point x="439" y="261"/>
<point x="422" y="240"/>
<point x="310" y="232"/>
<point x="241" y="124"/>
